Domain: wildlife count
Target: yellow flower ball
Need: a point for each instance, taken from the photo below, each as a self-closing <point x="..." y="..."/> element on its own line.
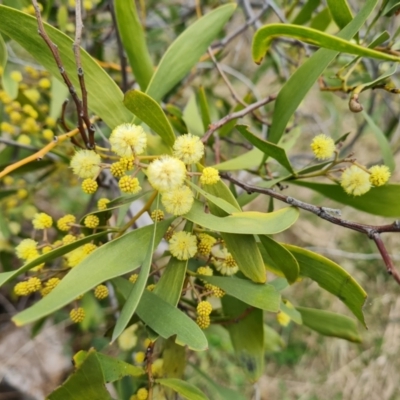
<point x="86" y="164"/>
<point x="65" y="222"/>
<point x="77" y="315"/>
<point x="33" y="284"/>
<point x="102" y="204"/>
<point x="16" y="76"/>
<point x="209" y="176"/>
<point x="101" y="292"/>
<point x="133" y="278"/>
<point x="183" y="245"/>
<point x="139" y="357"/>
<point x="117" y="169"/>
<point x="127" y="184"/>
<point x="42" y="221"/>
<point x="89" y="186"/>
<point x="188" y="148"/>
<point x="128" y="139"/>
<point x="178" y="201"/>
<point x="142" y="394"/>
<point x="166" y="173"/>
<point x="91" y="221"/>
<point x="157" y="215"/>
<point x="44" y="83"/>
<point x="283" y="318"/>
<point x="204" y="308"/>
<point x="355" y="181"/>
<point x="203" y="321"/>
<point x="216" y="291"/>
<point x="380" y="174"/>
<point x="323" y="147"/>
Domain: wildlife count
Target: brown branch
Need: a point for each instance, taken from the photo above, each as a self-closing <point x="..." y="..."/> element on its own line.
<point x="56" y="55"/>
<point x="239" y="114"/>
<point x="237" y="319"/>
<point x="372" y="231"/>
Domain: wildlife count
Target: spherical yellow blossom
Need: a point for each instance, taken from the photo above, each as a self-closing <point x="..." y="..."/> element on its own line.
<point x="206" y="242"/>
<point x="157" y="215"/>
<point x="42" y="221"/>
<point x="27" y="249"/>
<point x="166" y="173"/>
<point x="22" y="193"/>
<point x="188" y="148"/>
<point x="101" y="292"/>
<point x="205" y="271"/>
<point x="102" y="204"/>
<point x="48" y="134"/>
<point x="49" y="286"/>
<point x="139" y="357"/>
<point x="24" y="140"/>
<point x="178" y="201"/>
<point x="67" y="239"/>
<point x="65" y="222"/>
<point x="50" y="122"/>
<point x="209" y="176"/>
<point x="33" y="284"/>
<point x="127" y="162"/>
<point x="75" y="257"/>
<point x="128" y="184"/>
<point x="142" y="394"/>
<point x="89" y="248"/>
<point x="183" y="245"/>
<point x="7" y="127"/>
<point x="77" y="315"/>
<point x="150" y="287"/>
<point x="204" y="308"/>
<point x="283" y="318"/>
<point x="46" y="249"/>
<point x="355" y="181"/>
<point x="86" y="164"/>
<point x="157" y="368"/>
<point x="147" y="342"/>
<point x="8" y="180"/>
<point x="323" y="147"/>
<point x="89" y="186"/>
<point x="29" y="110"/>
<point x="44" y="83"/>
<point x="91" y="221"/>
<point x="21" y="289"/>
<point x="380" y="174"/>
<point x="15" y="117"/>
<point x="128" y="139"/>
<point x="133" y="278"/>
<point x="203" y="321"/>
<point x="224" y="262"/>
<point x="117" y="169"/>
<point x="216" y="291"/>
<point x="16" y="76"/>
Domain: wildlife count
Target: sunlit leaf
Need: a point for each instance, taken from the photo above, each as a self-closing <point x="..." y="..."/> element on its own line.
<point x="185" y="389"/>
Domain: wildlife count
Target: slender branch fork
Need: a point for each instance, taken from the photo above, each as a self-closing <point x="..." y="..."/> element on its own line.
<point x="372" y="231"/>
<point x="81" y="106"/>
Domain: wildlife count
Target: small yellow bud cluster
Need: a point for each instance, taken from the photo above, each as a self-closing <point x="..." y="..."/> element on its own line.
<point x="157" y="215"/>
<point x="224" y="262"/>
<point x="117" y="169"/>
<point x="49" y="286"/>
<point x="203" y="321"/>
<point x="127" y="162"/>
<point x="151" y="287"/>
<point x="283" y="318"/>
<point x="89" y="186"/>
<point x="142" y="394"/>
<point x="139" y="357"/>
<point x="77" y="315"/>
<point x="42" y="221"/>
<point x="157" y="368"/>
<point x="25" y="288"/>
<point x="133" y="278"/>
<point x="21" y="289"/>
<point x="206" y="242"/>
<point x="64" y="223"/>
<point x="209" y="176"/>
<point x="216" y="291"/>
<point x="91" y="221"/>
<point x="68" y="239"/>
<point x="102" y="204"/>
<point x="205" y="271"/>
<point x="101" y="292"/>
<point x="204" y="308"/>
<point x="128" y="184"/>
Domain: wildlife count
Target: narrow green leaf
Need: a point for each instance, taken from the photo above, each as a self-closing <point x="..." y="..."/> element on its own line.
<point x="247" y="160"/>
<point x="382" y="78"/>
<point x="186" y="51"/>
<point x="391" y="7"/>
<point x="294" y="315"/>
<point x="192" y="117"/>
<point x="58" y="94"/>
<point x="204" y="109"/>
<point x="51" y="255"/>
<point x="86" y="383"/>
<point x="105" y="98"/>
<point x="306" y="11"/>
<point x="134" y="41"/>
<point x="248" y="222"/>
<point x="174" y="357"/>
<point x="247" y="335"/>
<point x="383" y="200"/>
<point x="386" y="149"/>
<point x="282" y="257"/>
<point x="9" y="85"/>
<point x="137" y="290"/>
<point x="114" y="369"/>
<point x="264" y="36"/>
<point x="322" y="20"/>
<point x="269" y="149"/>
<point x="96" y="268"/>
<point x="150" y="112"/>
<point x="330" y="324"/>
<point x="168" y="321"/>
<point x="296" y="88"/>
<point x="340" y="12"/>
<point x="259" y="295"/>
<point x="3" y="52"/>
<point x="185" y="389"/>
<point x="331" y="277"/>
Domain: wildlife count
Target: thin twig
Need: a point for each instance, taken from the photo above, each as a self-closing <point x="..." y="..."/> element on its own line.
<point x="239" y="114"/>
<point x="56" y="55"/>
<point x="372" y="231"/>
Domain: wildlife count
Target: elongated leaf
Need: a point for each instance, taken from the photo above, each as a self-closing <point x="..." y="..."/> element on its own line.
<point x="134" y="41"/>
<point x="204" y="109"/>
<point x="10" y="86"/>
<point x="247" y="222"/>
<point x="51" y="255"/>
<point x="242" y="247"/>
<point x="105" y="98"/>
<point x="137" y="290"/>
<point x="3" y="52"/>
<point x="262" y="296"/>
<point x="264" y="36"/>
<point x="186" y="51"/>
<point x="150" y="112"/>
<point x="282" y="257"/>
<point x="58" y="94"/>
<point x="192" y="117"/>
<point x="391" y="7"/>
<point x="247" y="160"/>
<point x="296" y="88"/>
<point x="165" y="319"/>
<point x="86" y="383"/>
<point x="185" y="389"/>
<point x="383" y="200"/>
<point x="330" y="324"/>
<point x="99" y="266"/>
<point x="269" y="149"/>
<point x="331" y="277"/>
<point x="247" y="335"/>
<point x="340" y="12"/>
<point x="292" y="312"/>
<point x="306" y="11"/>
<point x="322" y="20"/>
<point x="386" y="150"/>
